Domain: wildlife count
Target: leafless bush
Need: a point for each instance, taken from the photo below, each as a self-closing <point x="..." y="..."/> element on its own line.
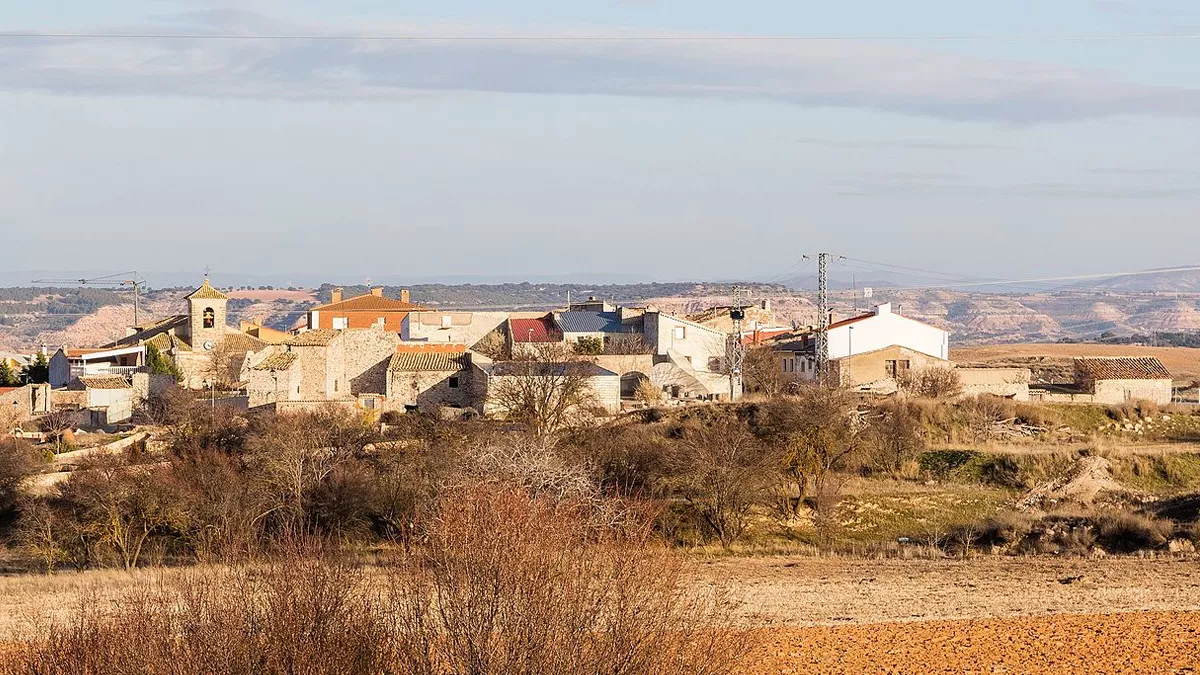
<point x="931" y="382"/>
<point x="895" y="436"/>
<point x="648" y="392"/>
<point x="18" y="460"/>
<point x="627" y="344"/>
<point x="544" y="388"/>
<point x="512" y="584"/>
<point x="762" y="372"/>
<point x="724" y="472"/>
<point x="506" y="584"/>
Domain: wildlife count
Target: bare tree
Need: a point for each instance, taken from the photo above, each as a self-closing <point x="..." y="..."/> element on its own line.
<point x="821" y="434"/>
<point x="725" y="471"/>
<point x="544" y="387"/>
<point x="56" y="424"/>
<point x="895" y="436"/>
<point x="223" y="369"/>
<point x="762" y="371"/>
<point x="932" y="382"/>
<point x="627" y="344"/>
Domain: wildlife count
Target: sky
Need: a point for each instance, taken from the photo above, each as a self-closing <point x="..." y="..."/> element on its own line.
<point x="702" y="153"/>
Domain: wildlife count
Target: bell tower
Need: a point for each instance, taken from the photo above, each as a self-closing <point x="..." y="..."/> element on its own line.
<point x="206" y="316"/>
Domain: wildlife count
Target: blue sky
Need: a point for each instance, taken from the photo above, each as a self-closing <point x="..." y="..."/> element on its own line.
<point x="664" y="159"/>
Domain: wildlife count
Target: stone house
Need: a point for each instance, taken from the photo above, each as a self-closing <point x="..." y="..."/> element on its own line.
<point x="363" y="311"/>
<point x="323" y="365"/>
<point x="456" y="327"/>
<point x="430" y="377"/>
<point x="109" y="397"/>
<point x="1115" y="380"/>
<point x="20" y="404"/>
<point x="603" y="387"/>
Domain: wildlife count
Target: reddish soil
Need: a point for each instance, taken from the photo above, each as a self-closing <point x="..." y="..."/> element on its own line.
<point x="1142" y="643"/>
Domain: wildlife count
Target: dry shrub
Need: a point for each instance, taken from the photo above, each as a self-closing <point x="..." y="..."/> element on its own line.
<point x="649" y="393"/>
<point x="932" y="382"/>
<point x="1124" y="532"/>
<point x="505" y="584"/>
<point x="1133" y="410"/>
<point x="18" y="460"/>
<point x="513" y="584"/>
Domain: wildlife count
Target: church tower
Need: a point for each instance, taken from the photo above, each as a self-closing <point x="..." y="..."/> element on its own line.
<point x="206" y="316"/>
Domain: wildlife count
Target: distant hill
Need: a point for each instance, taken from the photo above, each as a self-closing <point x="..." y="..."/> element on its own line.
<point x="1165" y="281"/>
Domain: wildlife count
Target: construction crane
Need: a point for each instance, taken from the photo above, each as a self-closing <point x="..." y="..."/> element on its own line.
<point x="131" y="280"/>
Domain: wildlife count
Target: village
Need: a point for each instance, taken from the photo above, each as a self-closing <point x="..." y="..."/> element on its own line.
<point x="382" y="355"/>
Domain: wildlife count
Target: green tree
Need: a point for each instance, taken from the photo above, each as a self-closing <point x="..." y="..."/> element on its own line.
<point x="589" y="345"/>
<point x="8" y="378"/>
<point x="161" y="364"/>
<point x="37" y="372"/>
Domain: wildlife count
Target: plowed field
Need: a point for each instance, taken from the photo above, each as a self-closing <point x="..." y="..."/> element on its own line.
<point x="1141" y="643"/>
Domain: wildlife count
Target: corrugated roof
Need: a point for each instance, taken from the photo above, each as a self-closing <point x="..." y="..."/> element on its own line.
<point x="103" y="382"/>
<point x="369" y="303"/>
<point x="592" y="322"/>
<point x="1122" y="368"/>
<point x="428" y="361"/>
<point x="534" y="330"/>
<point x="314" y="338"/>
<point x="206" y="292"/>
<point x="280" y="361"/>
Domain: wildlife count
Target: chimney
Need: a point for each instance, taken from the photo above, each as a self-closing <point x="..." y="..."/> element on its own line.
<point x="377" y="291"/>
<point x="335" y="296"/>
<point x="404" y="295"/>
<point x="766" y="305"/>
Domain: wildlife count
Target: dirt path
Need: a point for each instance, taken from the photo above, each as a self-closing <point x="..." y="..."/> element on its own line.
<point x="1144" y="643"/>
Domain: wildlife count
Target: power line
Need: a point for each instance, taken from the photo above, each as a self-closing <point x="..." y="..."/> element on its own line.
<point x="1081" y="37"/>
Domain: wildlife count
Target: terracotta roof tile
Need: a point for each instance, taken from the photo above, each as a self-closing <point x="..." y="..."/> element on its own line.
<point x="280" y="361"/>
<point x="103" y="382"/>
<point x="428" y="361"/>
<point x="206" y="292"/>
<point x="1122" y="368"/>
<point x="314" y="338"/>
<point x="369" y="303"/>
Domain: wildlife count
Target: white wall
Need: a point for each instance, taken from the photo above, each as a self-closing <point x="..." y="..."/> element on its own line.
<point x="703" y="347"/>
<point x="884" y="330"/>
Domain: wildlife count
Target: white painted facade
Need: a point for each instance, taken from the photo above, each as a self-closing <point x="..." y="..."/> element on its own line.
<point x="883" y="329"/>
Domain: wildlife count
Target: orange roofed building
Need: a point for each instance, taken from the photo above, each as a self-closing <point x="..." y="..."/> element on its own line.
<point x="363" y="311"/>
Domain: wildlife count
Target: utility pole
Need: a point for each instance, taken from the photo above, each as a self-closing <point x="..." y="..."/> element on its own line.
<point x="737" y="351"/>
<point x="133" y="280"/>
<point x="822" y="314"/>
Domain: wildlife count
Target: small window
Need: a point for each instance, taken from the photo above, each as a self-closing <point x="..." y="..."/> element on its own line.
<point x="680" y="332"/>
<point x="454" y="382"/>
<point x="335" y="386"/>
<point x="210" y="318"/>
<point x="446" y="320"/>
<point x="380" y="322"/>
<point x="340" y="323"/>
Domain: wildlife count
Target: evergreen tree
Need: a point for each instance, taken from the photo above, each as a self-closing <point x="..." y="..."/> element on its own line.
<point x="37" y="372"/>
<point x="8" y="378"/>
<point x="160" y="364"/>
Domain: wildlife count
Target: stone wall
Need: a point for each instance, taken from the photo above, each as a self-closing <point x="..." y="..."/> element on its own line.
<point x="873" y="366"/>
<point x="267" y="387"/>
<point x="1113" y="392"/>
<point x="366" y="355"/>
<point x="146" y="385"/>
<point x="429" y="391"/>
<point x="1005" y="382"/>
<point x="17" y="404"/>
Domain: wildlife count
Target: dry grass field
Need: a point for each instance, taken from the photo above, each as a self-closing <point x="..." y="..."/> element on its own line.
<point x="831" y="615"/>
<point x="1183" y="362"/>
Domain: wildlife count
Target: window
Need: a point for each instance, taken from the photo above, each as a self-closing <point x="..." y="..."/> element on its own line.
<point x="340" y="323"/>
<point x="446" y="321"/>
<point x="454" y="382"/>
<point x="380" y="322"/>
<point x="210" y="318"/>
<point x="335" y="386"/>
<point x="680" y="332"/>
<point x="897" y="367"/>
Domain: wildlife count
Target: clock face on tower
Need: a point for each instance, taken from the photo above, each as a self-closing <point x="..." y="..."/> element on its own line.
<point x="208" y="345"/>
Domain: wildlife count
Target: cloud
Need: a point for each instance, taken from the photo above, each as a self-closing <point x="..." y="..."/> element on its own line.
<point x="830" y="74"/>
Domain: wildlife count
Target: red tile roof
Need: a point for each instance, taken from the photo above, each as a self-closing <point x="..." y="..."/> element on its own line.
<point x="429" y="361"/>
<point x="369" y="303"/>
<point x="534" y="330"/>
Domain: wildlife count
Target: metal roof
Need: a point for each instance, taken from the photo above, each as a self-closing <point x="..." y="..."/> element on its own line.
<point x="592" y="322"/>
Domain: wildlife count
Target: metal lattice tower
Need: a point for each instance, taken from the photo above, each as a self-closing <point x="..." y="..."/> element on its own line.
<point x="822" y="315"/>
<point x="737" y="351"/>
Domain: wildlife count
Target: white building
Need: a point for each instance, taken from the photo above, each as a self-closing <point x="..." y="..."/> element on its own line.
<point x="885" y="328"/>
